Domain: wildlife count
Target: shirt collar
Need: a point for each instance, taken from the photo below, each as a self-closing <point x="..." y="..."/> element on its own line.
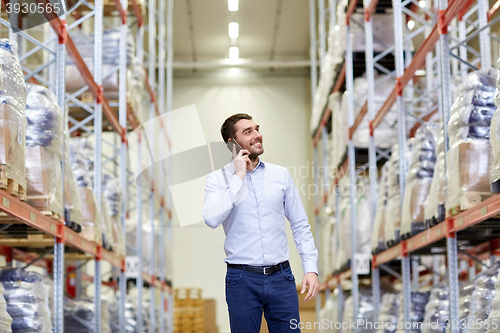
<point x="260" y="164"/>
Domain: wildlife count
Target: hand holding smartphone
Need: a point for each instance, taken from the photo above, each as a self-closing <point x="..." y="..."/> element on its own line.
<point x="234" y="147"/>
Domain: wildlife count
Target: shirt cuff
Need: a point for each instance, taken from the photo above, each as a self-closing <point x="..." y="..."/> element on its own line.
<point x="235" y="184"/>
<point x="310" y="267"/>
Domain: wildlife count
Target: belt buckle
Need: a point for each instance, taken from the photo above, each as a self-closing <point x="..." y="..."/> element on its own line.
<point x="265" y="270"/>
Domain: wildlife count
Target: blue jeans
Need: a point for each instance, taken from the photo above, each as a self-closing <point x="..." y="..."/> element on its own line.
<point x="249" y="293"/>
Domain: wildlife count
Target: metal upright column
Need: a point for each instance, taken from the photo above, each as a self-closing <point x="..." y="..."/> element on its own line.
<point x="372" y="150"/>
<point x="322" y="31"/>
<point x="332" y="13"/>
<point x="312" y="50"/>
<point x="58" y="263"/>
<point x="122" y="100"/>
<point x="98" y="22"/>
<point x="399" y="51"/>
<point x="451" y="239"/>
<point x="352" y="170"/>
<point x="484" y="35"/>
<point x="338" y="216"/>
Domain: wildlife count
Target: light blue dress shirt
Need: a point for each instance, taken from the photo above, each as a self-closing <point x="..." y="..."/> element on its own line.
<point x="253" y="212"/>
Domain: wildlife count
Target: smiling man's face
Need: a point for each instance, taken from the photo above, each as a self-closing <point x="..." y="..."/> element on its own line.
<point x="248" y="136"/>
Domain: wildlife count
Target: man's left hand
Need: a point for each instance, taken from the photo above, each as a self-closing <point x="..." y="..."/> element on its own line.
<point x="311" y="280"/>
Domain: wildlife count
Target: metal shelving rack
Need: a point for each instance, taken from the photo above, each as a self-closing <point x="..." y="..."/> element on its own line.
<point x="443" y="55"/>
<point x="55" y="43"/>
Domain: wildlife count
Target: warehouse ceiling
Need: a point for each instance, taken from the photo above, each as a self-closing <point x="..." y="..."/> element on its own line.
<point x="268" y="30"/>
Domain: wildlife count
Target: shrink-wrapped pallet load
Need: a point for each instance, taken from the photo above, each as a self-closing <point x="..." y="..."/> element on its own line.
<point x="378" y="243"/>
<point x="418" y="302"/>
<point x="418" y="181"/>
<point x="12" y="121"/>
<point x="363" y="225"/>
<point x="27" y="300"/>
<point x="112" y="195"/>
<point x="468" y="158"/>
<point x="72" y="200"/>
<point x="482" y="299"/>
<point x="130" y="316"/>
<point x="392" y="224"/>
<point x="44" y="138"/>
<point x="434" y="205"/>
<point x="364" y="315"/>
<point x="464" y="301"/>
<point x="79" y="316"/>
<point x="84" y="42"/>
<point x="5" y="318"/>
<point x="437" y="312"/>
<point x="389" y="312"/>
<point x="82" y="162"/>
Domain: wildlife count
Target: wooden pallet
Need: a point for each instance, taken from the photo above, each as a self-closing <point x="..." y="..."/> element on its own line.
<point x="10" y="185"/>
<point x="31" y="240"/>
<point x="467" y="201"/>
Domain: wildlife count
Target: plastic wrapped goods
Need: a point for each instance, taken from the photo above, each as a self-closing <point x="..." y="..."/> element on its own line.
<point x="130" y="316"/>
<point x="365" y="313"/>
<point x="27" y="300"/>
<point x="363" y="225"/>
<point x="464" y="301"/>
<point x="112" y="195"/>
<point x="12" y="146"/>
<point x="12" y="116"/>
<point x="418" y="181"/>
<point x="469" y="134"/>
<point x="393" y="209"/>
<point x="136" y="83"/>
<point x="13" y="91"/>
<point x="389" y="312"/>
<point x="482" y="298"/>
<point x="378" y="238"/>
<point x="82" y="162"/>
<point x="45" y="120"/>
<point x="494" y="316"/>
<point x="44" y="135"/>
<point x="5" y="318"/>
<point x="72" y="199"/>
<point x="110" y="58"/>
<point x="434" y="210"/>
<point x="339" y="127"/>
<point x="43" y="175"/>
<point x="494" y="174"/>
<point x="437" y="313"/>
<point x="107" y="234"/>
<point x="79" y="316"/>
<point x="418" y="303"/>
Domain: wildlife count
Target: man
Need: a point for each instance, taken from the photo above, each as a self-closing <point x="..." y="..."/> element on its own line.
<point x="250" y="199"/>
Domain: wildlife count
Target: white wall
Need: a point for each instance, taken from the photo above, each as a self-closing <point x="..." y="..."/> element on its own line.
<point x="281" y="106"/>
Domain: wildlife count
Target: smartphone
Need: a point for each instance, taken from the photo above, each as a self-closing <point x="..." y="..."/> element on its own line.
<point x="232" y="144"/>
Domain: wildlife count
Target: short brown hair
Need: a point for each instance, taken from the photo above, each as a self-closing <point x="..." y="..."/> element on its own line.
<point x="227" y="129"/>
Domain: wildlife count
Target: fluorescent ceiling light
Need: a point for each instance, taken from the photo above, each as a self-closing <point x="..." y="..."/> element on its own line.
<point x="234" y="30"/>
<point x="234" y="53"/>
<point x="422" y="3"/>
<point x="232" y="5"/>
<point x="411" y="24"/>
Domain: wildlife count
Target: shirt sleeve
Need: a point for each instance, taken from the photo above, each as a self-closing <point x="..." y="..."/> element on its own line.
<point x="220" y="197"/>
<point x="304" y="240"/>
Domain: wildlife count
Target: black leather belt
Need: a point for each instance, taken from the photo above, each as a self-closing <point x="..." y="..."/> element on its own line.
<point x="262" y="270"/>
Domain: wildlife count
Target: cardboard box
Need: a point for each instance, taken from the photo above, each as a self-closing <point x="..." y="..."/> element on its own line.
<point x="91" y="228"/>
<point x="468" y="169"/>
<point x="210" y="316"/>
<point x="12" y="145"/>
<point x="43" y="180"/>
